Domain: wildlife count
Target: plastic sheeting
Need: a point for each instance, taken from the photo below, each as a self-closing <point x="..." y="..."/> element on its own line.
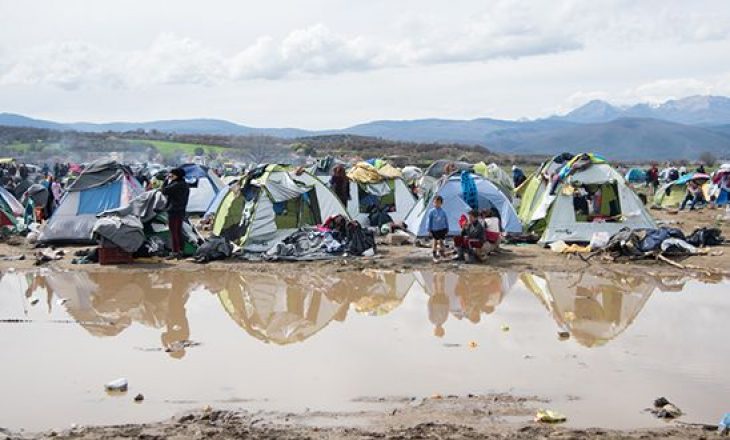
<point x="100" y="199"/>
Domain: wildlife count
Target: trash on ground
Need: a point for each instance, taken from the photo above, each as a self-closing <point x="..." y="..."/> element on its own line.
<point x="120" y="385"/>
<point x="563" y="335"/>
<point x="473" y="344"/>
<point x="549" y="416"/>
<point x="505" y="328"/>
<point x="724" y="426"/>
<point x="664" y="409"/>
<point x="139" y="398"/>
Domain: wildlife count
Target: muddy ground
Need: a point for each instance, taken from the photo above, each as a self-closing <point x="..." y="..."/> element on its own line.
<point x="466" y="417"/>
<point x="523" y="258"/>
<point x="449" y="417"/>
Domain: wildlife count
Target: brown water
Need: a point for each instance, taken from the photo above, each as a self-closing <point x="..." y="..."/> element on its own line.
<point x="323" y="342"/>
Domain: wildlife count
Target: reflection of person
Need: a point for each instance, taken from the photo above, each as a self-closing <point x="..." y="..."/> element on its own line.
<point x="438" y="305"/>
<point x="178" y="329"/>
<point x="177" y="192"/>
<point x="438" y="227"/>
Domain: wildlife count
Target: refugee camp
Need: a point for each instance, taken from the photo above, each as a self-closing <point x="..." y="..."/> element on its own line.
<point x="368" y="221"/>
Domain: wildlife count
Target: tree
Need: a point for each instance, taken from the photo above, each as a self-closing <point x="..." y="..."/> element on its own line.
<point x="708" y="158"/>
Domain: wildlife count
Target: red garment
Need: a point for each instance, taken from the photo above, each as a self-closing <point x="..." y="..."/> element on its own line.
<point x="176" y="233"/>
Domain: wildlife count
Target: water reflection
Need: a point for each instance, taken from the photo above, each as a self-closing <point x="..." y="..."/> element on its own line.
<point x="105" y="304"/>
<point x="292" y="308"/>
<point x="463" y="295"/>
<point x="594" y="309"/>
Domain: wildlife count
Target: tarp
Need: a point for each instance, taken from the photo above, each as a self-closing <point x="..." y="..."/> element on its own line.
<point x="98" y="199"/>
<point x="97" y="174"/>
<point x="125" y="232"/>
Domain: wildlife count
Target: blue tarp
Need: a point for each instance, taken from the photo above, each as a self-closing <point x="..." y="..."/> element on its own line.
<point x="97" y="200"/>
<point x="193" y="171"/>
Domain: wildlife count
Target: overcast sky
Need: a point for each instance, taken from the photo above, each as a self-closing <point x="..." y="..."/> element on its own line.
<point x="330" y="64"/>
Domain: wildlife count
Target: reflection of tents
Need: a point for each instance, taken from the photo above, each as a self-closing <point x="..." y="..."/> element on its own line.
<point x="289" y="309"/>
<point x="594" y="309"/>
<point x="103" y="185"/>
<point x="552" y="206"/>
<point x="105" y="304"/>
<point x="272" y="205"/>
<point x="671" y="194"/>
<point x="279" y="309"/>
<point x="204" y="185"/>
<point x="488" y="195"/>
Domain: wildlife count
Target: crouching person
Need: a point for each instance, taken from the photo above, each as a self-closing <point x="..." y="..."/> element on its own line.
<point x="471" y="245"/>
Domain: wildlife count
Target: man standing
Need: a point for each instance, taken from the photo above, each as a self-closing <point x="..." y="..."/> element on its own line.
<point x="177" y="192"/>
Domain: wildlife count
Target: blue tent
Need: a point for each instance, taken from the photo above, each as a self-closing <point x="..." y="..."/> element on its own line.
<point x="636" y="175"/>
<point x="487" y="196"/>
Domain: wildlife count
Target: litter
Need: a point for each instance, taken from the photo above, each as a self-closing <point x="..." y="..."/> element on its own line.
<point x="119" y="385"/>
<point x="473" y="344"/>
<point x="505" y="328"/>
<point x="664" y="409"/>
<point x="724" y="426"/>
<point x="34" y="301"/>
<point x="549" y="416"/>
<point x="139" y="398"/>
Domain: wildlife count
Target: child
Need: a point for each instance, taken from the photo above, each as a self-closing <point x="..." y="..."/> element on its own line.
<point x="438" y="227"/>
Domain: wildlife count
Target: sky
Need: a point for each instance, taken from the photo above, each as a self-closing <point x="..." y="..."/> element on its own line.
<point x="330" y="63"/>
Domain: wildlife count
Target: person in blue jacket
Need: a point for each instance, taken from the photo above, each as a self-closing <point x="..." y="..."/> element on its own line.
<point x="438" y="227"/>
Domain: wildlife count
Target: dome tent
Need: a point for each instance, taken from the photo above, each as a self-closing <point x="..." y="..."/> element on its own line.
<point x="450" y="188"/>
<point x="269" y="204"/>
<point x="104" y="185"/>
<point x="561" y="208"/>
<point x="382" y="187"/>
<point x="671" y="194"/>
<point x="204" y="186"/>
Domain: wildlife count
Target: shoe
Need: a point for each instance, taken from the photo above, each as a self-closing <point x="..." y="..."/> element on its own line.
<point x="174" y="256"/>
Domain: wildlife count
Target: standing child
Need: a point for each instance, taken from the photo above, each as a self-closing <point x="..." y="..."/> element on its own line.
<point x="438" y="227"/>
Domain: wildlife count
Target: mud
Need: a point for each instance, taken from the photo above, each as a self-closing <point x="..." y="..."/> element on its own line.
<point x="521" y="258"/>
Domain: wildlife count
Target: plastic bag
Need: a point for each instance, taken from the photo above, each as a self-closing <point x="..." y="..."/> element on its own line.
<point x="599" y="240"/>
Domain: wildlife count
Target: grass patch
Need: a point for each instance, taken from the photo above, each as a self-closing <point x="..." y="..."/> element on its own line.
<point x="167" y="148"/>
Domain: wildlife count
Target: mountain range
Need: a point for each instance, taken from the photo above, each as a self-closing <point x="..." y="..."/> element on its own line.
<point x="676" y="129"/>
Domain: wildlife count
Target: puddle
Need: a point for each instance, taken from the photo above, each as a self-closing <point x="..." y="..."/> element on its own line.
<point x="344" y="342"/>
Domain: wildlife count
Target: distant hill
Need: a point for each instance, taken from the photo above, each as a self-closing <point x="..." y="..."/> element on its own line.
<point x="693" y="110"/>
<point x="621" y="139"/>
<point x="681" y="128"/>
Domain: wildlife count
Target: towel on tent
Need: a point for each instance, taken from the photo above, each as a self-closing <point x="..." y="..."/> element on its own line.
<point x="469" y="190"/>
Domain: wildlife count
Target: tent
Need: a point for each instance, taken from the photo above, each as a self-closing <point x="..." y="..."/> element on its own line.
<point x="671" y="194"/>
<point x="103" y="185"/>
<point x="532" y="190"/>
<point x="720" y="187"/>
<point x="635" y="175"/>
<point x="371" y="187"/>
<point x="286" y="309"/>
<point x="9" y="203"/>
<point x="594" y="309"/>
<point x="582" y="197"/>
<point x="498" y="177"/>
<point x="269" y="204"/>
<point x="10" y="208"/>
<point x="204" y="185"/>
<point x="450" y="188"/>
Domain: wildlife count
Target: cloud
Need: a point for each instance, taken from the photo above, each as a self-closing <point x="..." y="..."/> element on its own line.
<point x="311" y="51"/>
